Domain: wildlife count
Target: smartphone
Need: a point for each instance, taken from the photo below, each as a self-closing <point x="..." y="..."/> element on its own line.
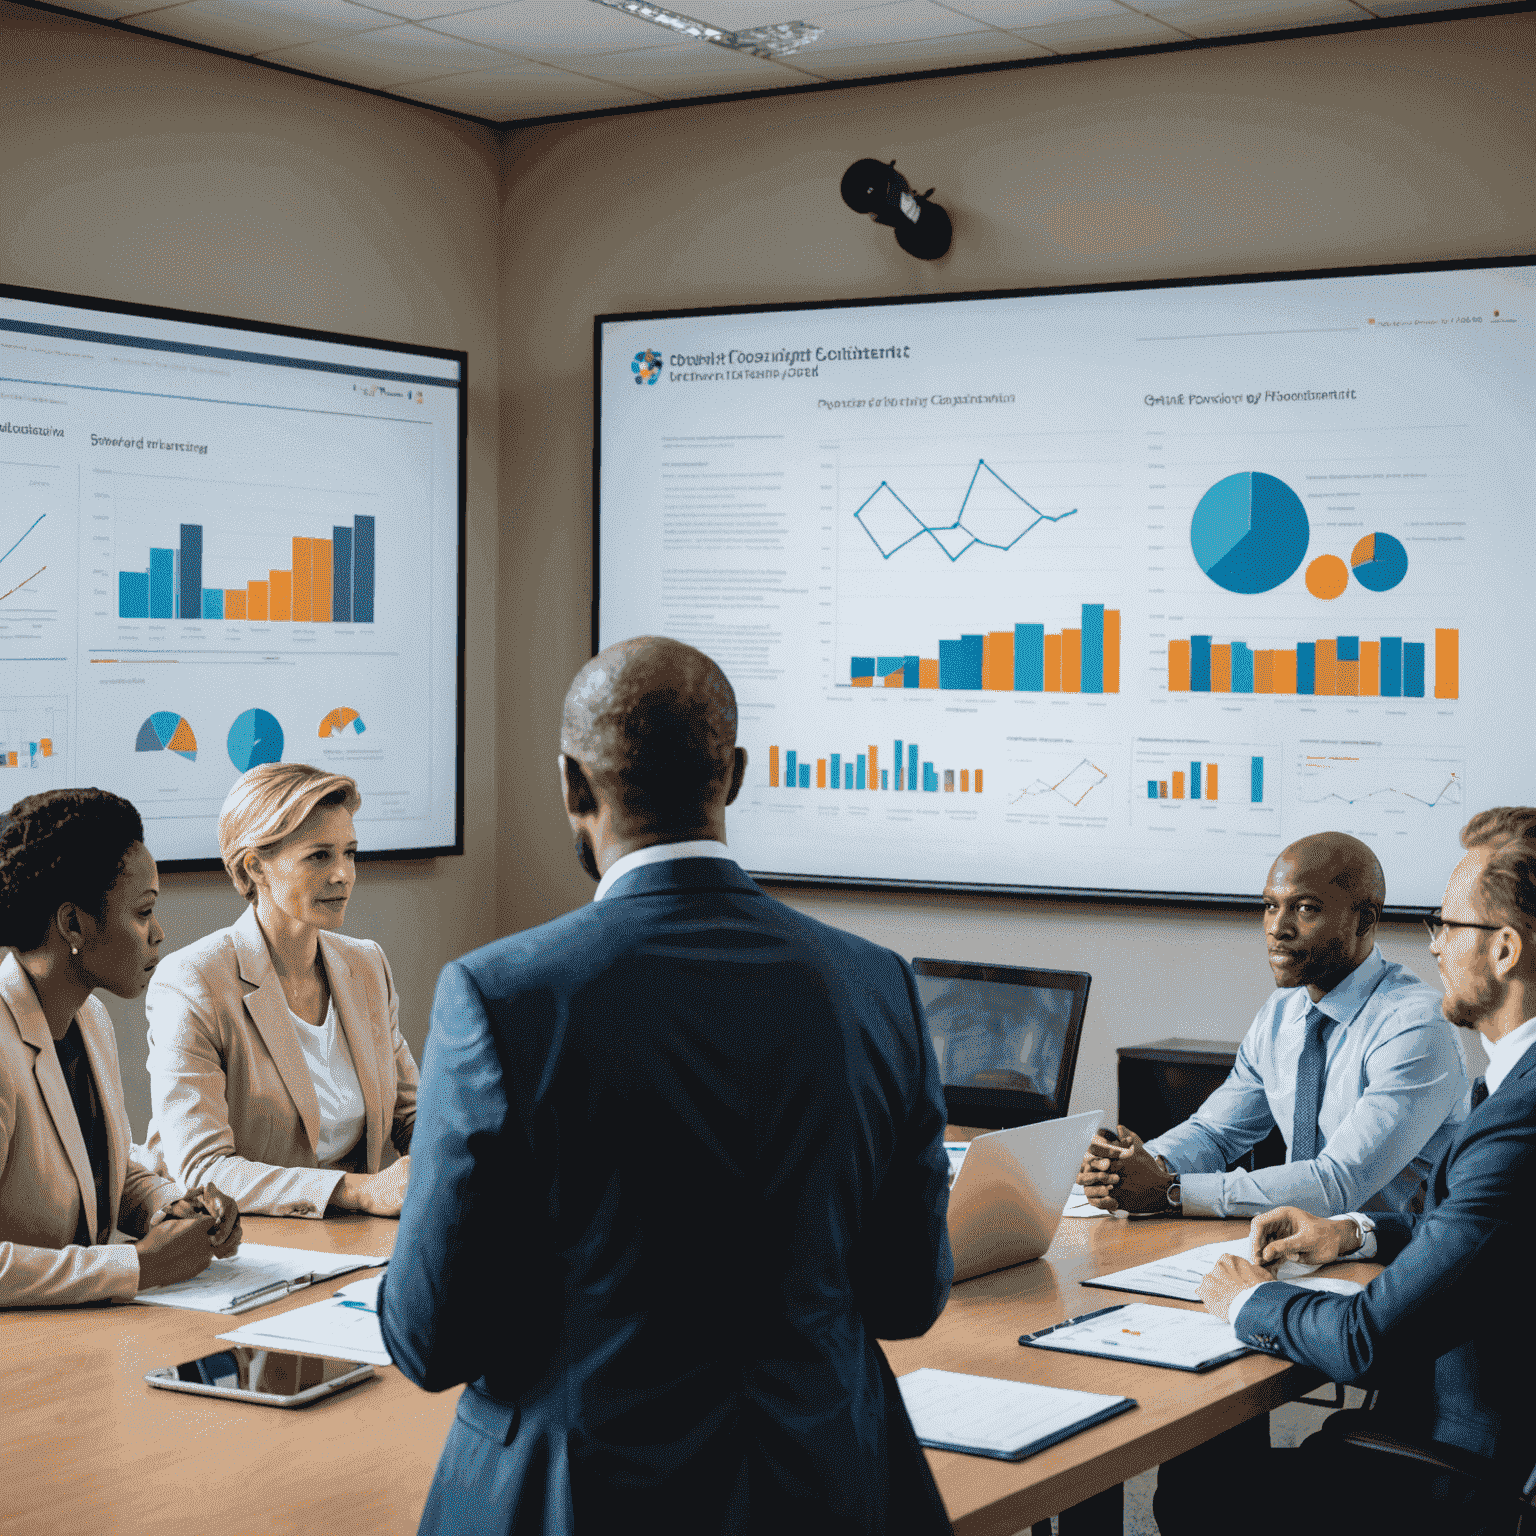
<point x="274" y="1377"/>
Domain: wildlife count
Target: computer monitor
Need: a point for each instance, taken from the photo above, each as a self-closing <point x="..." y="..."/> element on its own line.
<point x="1006" y="1037"/>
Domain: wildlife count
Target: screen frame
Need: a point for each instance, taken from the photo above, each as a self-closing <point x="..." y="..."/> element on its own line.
<point x="1096" y="895"/>
<point x="341" y="338"/>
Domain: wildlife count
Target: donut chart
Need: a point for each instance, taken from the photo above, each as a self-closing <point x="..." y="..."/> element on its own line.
<point x="1379" y="562"/>
<point x="1250" y="532"/>
<point x="254" y="738"/>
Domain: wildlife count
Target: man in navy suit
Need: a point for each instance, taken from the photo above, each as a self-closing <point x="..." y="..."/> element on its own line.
<point x="678" y="1163"/>
<point x="1443" y="1330"/>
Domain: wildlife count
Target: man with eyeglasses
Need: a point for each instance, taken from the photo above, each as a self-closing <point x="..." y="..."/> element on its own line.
<point x="1443" y="1329"/>
<point x="1351" y="1058"/>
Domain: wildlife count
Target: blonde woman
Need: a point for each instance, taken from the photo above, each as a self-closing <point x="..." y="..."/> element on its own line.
<point x="276" y="1063"/>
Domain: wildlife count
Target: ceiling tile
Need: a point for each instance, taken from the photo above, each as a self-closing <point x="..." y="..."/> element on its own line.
<point x="1220" y="18"/>
<point x="1124" y="31"/>
<point x="554" y="29"/>
<point x="1023" y="15"/>
<point x="934" y="53"/>
<point x="897" y="21"/>
<point x="254" y="26"/>
<point x="423" y="10"/>
<point x="1415" y="7"/>
<point x="518" y="90"/>
<point x="689" y="70"/>
<point x="117" y="10"/>
<point x="387" y="57"/>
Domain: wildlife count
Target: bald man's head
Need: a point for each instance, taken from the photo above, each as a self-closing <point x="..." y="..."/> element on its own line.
<point x="1337" y="859"/>
<point x="1321" y="902"/>
<point x="653" y="723"/>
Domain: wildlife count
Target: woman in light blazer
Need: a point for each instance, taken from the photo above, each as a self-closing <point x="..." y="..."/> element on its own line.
<point x="276" y="1062"/>
<point x="77" y="900"/>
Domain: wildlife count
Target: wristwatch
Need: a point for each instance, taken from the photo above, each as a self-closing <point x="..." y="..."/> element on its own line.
<point x="1176" y="1196"/>
<point x="1363" y="1225"/>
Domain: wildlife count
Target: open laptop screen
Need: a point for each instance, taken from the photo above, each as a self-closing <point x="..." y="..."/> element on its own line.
<point x="1006" y="1038"/>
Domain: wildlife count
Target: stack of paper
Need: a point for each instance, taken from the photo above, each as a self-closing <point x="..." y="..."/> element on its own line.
<point x="344" y="1328"/>
<point x="256" y="1276"/>
<point x="1149" y="1335"/>
<point x="1179" y="1275"/>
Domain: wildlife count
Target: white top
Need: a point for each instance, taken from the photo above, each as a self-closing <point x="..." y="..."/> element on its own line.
<point x="343" y="1115"/>
<point x="1503" y="1054"/>
<point x="661" y="853"/>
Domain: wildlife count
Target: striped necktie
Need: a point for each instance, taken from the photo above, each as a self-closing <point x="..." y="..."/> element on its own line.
<point x="1306" y="1138"/>
<point x="1479" y="1090"/>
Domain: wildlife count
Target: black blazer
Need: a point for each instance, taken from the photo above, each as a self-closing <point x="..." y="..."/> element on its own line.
<point x="678" y="1162"/>
<point x="1445" y="1328"/>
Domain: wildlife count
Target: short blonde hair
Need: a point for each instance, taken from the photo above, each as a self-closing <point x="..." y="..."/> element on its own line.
<point x="269" y="803"/>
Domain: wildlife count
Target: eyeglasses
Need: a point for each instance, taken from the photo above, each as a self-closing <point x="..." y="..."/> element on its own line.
<point x="1436" y="923"/>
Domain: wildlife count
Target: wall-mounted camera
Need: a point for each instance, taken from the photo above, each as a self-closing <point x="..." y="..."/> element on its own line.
<point x="880" y="190"/>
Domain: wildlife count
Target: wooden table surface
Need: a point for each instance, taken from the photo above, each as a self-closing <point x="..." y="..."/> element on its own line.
<point x="89" y="1447"/>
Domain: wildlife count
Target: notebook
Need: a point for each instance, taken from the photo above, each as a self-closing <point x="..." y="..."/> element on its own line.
<point x="1179" y="1275"/>
<point x="1145" y="1334"/>
<point x="256" y="1276"/>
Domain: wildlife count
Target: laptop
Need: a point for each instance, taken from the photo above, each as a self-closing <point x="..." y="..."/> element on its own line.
<point x="1007" y="1196"/>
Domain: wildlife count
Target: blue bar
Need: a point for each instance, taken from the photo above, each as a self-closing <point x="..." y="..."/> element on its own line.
<point x="791" y="778"/>
<point x="930" y="779"/>
<point x="912" y="673"/>
<point x="885" y="778"/>
<point x="1391" y="666"/>
<point x="133" y="594"/>
<point x="847" y="775"/>
<point x="1348" y="648"/>
<point x="1194" y="781"/>
<point x="835" y="775"/>
<point x="191" y="570"/>
<point x="805" y="775"/>
<point x="1256" y="782"/>
<point x="1029" y="658"/>
<point x="1092" y="676"/>
<point x="341" y="575"/>
<point x="213" y="602"/>
<point x="858" y="777"/>
<point x="1199" y="663"/>
<point x="1242" y="668"/>
<point x="960" y="662"/>
<point x="1306" y="667"/>
<point x="1413" y="670"/>
<point x="362" y="570"/>
<point x="900" y="759"/>
<point x="162" y="583"/>
<point x="912" y="765"/>
<point x="889" y="666"/>
<point x="1151" y="789"/>
<point x="861" y="666"/>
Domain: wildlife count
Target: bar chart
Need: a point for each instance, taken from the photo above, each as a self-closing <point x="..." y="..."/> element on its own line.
<point x="791" y="769"/>
<point x="31" y="741"/>
<point x="1389" y="667"/>
<point x="327" y="581"/>
<point x="1217" y="786"/>
<point x="1202" y="781"/>
<point x="1024" y="659"/>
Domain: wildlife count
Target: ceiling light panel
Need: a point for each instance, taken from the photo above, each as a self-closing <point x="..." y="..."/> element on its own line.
<point x="765" y="40"/>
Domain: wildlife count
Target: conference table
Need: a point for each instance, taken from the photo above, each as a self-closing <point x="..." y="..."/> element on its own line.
<point x="88" y="1446"/>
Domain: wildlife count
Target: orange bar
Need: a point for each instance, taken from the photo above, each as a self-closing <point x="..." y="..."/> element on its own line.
<point x="234" y="604"/>
<point x="965" y="781"/>
<point x="1178" y="784"/>
<point x="1178" y="666"/>
<point x="303" y="572"/>
<point x="1053" y="663"/>
<point x="1111" y="651"/>
<point x="282" y="594"/>
<point x="997" y="660"/>
<point x="874" y="767"/>
<point x="1285" y="671"/>
<point x="1327" y="675"/>
<point x="863" y="682"/>
<point x="821" y="773"/>
<point x="1263" y="671"/>
<point x="11" y="759"/>
<point x="320" y="605"/>
<point x="1370" y="667"/>
<point x="1210" y="781"/>
<point x="773" y="767"/>
<point x="896" y="679"/>
<point x="1447" y="663"/>
<point x="1162" y="789"/>
<point x="928" y="673"/>
<point x="255" y="599"/>
<point x="1346" y="676"/>
<point x="978" y="781"/>
<point x="1071" y="661"/>
<point x="46" y="745"/>
<point x="1221" y="669"/>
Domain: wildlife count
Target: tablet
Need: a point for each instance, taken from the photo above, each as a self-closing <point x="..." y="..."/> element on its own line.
<point x="277" y="1378"/>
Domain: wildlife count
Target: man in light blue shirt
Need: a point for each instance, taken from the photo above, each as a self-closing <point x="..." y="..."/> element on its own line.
<point x="1352" y="1059"/>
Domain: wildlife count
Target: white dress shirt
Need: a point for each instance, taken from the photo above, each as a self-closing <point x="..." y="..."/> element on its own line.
<point x="343" y="1114"/>
<point x="661" y="853"/>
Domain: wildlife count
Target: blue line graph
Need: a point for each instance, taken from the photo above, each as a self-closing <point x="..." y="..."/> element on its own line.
<point x="892" y="525"/>
<point x="17" y="545"/>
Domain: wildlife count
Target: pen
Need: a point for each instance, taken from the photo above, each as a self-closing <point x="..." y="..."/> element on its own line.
<point x="285" y="1286"/>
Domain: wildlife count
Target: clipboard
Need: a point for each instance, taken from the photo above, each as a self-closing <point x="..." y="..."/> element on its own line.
<point x="1100" y="1348"/>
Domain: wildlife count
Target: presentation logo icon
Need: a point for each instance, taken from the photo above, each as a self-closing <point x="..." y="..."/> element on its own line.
<point x="646" y="366"/>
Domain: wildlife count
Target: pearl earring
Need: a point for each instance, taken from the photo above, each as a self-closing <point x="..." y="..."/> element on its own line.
<point x="73" y="950"/>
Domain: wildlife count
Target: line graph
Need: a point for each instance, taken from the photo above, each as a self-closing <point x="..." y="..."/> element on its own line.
<point x="20" y="584"/>
<point x="991" y="513"/>
<point x="1074" y="786"/>
<point x="1450" y="793"/>
<point x="17" y="545"/>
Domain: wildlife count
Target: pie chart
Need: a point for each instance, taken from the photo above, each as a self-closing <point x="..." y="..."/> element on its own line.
<point x="1379" y="562"/>
<point x="339" y="719"/>
<point x="254" y="738"/>
<point x="166" y="731"/>
<point x="1250" y="532"/>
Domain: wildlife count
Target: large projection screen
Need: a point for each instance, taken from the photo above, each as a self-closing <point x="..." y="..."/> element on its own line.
<point x="1106" y="591"/>
<point x="224" y="544"/>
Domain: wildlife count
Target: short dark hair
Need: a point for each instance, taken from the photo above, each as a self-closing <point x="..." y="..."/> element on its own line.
<point x="62" y="845"/>
<point x="1508" y="883"/>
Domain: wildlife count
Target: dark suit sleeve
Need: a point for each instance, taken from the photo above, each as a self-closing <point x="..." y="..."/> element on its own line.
<point x="463" y="1255"/>
<point x="903" y="1267"/>
<point x="1433" y="1294"/>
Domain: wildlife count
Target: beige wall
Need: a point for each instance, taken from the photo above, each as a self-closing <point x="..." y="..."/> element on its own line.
<point x="1369" y="147"/>
<point x="138" y="170"/>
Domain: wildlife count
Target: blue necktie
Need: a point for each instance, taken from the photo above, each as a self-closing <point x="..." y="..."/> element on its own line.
<point x="1306" y="1139"/>
<point x="1479" y="1090"/>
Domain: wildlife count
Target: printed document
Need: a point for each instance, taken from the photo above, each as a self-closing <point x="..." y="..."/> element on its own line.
<point x="256" y="1276"/>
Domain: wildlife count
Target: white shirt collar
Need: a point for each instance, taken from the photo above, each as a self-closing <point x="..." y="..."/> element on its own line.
<point x="661" y="853"/>
<point x="1504" y="1054"/>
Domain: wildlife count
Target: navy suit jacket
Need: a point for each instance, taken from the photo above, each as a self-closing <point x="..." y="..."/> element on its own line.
<point x="1445" y="1328"/>
<point x="678" y="1162"/>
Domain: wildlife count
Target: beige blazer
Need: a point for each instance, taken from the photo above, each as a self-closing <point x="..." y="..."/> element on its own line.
<point x="233" y="1101"/>
<point x="45" y="1172"/>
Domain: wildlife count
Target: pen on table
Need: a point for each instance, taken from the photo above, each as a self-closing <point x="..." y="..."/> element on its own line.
<point x="284" y="1286"/>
